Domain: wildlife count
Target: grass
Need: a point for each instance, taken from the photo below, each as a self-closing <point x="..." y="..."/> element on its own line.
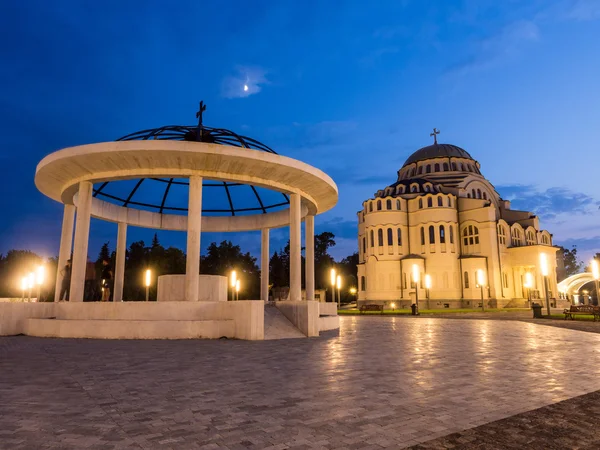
<point x="584" y="317"/>
<point x="396" y="312"/>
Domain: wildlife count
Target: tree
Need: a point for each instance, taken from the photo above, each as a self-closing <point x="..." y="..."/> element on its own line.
<point x="279" y="273"/>
<point x="572" y="266"/>
<point x="323" y="260"/>
<point x="223" y="258"/>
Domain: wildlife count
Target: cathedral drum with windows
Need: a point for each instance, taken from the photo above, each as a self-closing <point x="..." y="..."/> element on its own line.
<point x="444" y="222"/>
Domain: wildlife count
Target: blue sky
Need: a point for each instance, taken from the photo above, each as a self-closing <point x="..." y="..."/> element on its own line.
<point x="352" y="89"/>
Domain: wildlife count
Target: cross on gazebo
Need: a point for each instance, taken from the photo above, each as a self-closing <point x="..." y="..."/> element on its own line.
<point x="434" y="134"/>
<point x="199" y="113"/>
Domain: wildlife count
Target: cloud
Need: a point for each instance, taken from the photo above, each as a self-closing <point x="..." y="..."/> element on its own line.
<point x="548" y="204"/>
<point x="247" y="80"/>
<point x="497" y="48"/>
<point x="583" y="10"/>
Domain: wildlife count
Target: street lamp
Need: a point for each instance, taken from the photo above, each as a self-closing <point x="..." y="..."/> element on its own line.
<point x="528" y="285"/>
<point x="339" y="288"/>
<point x="416" y="277"/>
<point x="427" y="285"/>
<point x="30" y="281"/>
<point x="544" y="270"/>
<point x="596" y="275"/>
<point x="480" y="284"/>
<point x="353" y="290"/>
<point x="39" y="279"/>
<point x="233" y="279"/>
<point x="148" y="282"/>
<point x="332" y="277"/>
<point x="237" y="289"/>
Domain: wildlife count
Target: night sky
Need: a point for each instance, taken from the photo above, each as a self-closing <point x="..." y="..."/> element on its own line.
<point x="352" y="90"/>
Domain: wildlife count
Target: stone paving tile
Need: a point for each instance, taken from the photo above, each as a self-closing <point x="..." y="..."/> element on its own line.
<point x="380" y="383"/>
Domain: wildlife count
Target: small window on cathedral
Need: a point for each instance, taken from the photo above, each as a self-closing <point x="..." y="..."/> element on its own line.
<point x="420" y="171"/>
<point x="478" y="193"/>
<point x="440" y="201"/>
<point x="388" y="204"/>
<point x="370" y="206"/>
<point x="445" y="166"/>
<point x="429" y="202"/>
<point x="363" y="284"/>
<point x="454" y="167"/>
<point x="466" y="276"/>
<point x="485" y="196"/>
<point x="413" y="188"/>
<point x="451" y="234"/>
<point x="442" y="234"/>
<point x="449" y="202"/>
<point x="420" y="203"/>
<point x="378" y="205"/>
<point x="473" y="193"/>
<point x="372" y="239"/>
<point x="364" y="242"/>
<point x="398" y="205"/>
<point x="399" y="237"/>
<point x="428" y="170"/>
<point x="390" y="237"/>
<point x="380" y="237"/>
<point x="422" y="236"/>
<point x="436" y="168"/>
<point x="431" y="234"/>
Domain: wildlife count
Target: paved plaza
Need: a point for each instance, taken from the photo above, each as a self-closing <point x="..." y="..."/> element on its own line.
<point x="383" y="382"/>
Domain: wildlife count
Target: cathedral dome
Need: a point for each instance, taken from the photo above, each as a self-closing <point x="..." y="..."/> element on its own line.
<point x="437" y="151"/>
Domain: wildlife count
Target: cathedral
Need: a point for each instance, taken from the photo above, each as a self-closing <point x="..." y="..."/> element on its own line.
<point x="442" y="235"/>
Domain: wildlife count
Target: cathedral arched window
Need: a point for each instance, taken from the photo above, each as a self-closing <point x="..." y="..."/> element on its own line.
<point x="449" y="202"/>
<point x="440" y="201"/>
<point x="399" y="237"/>
<point x="471" y="239"/>
<point x="388" y="204"/>
<point x="398" y="205"/>
<point x="502" y="234"/>
<point x="462" y="167"/>
<point x="363" y="284"/>
<point x="468" y="195"/>
<point x="370" y="206"/>
<point x="420" y="203"/>
<point x="420" y="171"/>
<point x="545" y="240"/>
<point x="451" y="234"/>
<point x="428" y="168"/>
<point x="454" y="166"/>
<point x="517" y="237"/>
<point x="413" y="189"/>
<point x="372" y="239"/>
<point x="431" y="234"/>
<point x="378" y="205"/>
<point x="485" y="196"/>
<point x="442" y="234"/>
<point x="478" y="193"/>
<point x="380" y="237"/>
<point x="364" y="245"/>
<point x="436" y="167"/>
<point x="530" y="238"/>
<point x="422" y="236"/>
<point x="445" y="166"/>
<point x="390" y="236"/>
<point x="429" y="202"/>
<point x="473" y="193"/>
<point x="466" y="276"/>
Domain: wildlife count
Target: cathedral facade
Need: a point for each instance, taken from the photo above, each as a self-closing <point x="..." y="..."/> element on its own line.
<point x="443" y="224"/>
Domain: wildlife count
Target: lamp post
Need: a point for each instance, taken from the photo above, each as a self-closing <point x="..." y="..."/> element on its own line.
<point x="427" y="285"/>
<point x="39" y="280"/>
<point x="596" y="275"/>
<point x="237" y="289"/>
<point x="481" y="283"/>
<point x="147" y="282"/>
<point x="528" y="285"/>
<point x="339" y="288"/>
<point x="233" y="279"/>
<point x="332" y="278"/>
<point x="416" y="278"/>
<point x="30" y="281"/>
<point x="544" y="270"/>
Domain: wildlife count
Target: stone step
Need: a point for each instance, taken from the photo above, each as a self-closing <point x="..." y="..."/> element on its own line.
<point x="130" y="329"/>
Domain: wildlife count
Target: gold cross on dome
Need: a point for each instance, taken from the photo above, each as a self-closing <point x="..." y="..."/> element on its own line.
<point x="434" y="134"/>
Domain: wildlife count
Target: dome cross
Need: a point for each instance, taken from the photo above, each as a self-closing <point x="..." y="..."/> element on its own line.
<point x="434" y="134"/>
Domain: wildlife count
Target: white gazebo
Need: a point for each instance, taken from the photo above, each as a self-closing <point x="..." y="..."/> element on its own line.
<point x="194" y="155"/>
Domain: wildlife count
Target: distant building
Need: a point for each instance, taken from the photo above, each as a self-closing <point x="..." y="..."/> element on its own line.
<point x="443" y="216"/>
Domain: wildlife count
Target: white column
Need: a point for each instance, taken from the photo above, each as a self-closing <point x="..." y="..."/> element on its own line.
<point x="194" y="227"/>
<point x="264" y="265"/>
<point x="120" y="264"/>
<point x="80" y="246"/>
<point x="66" y="245"/>
<point x="309" y="237"/>
<point x="295" y="255"/>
